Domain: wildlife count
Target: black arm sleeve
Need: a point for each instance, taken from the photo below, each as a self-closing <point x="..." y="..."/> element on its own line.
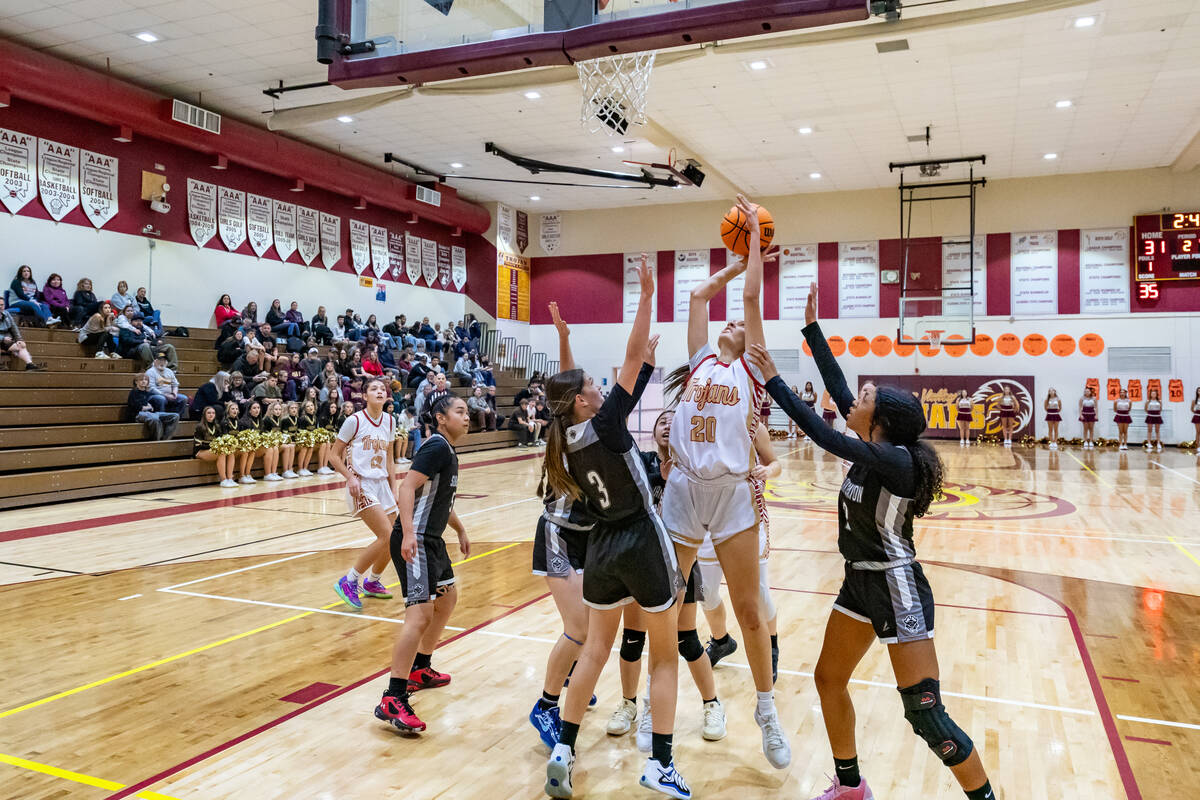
<point x="639" y="386"/>
<point x="831" y="373"/>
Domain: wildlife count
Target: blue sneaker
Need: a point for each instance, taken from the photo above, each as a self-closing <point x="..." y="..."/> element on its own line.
<point x="547" y="723"/>
<point x="567" y="682"/>
<point x="348" y="591"/>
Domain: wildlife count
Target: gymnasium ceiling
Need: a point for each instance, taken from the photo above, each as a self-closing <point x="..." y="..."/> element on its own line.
<point x="991" y="87"/>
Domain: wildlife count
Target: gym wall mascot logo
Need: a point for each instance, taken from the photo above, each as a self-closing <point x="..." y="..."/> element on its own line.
<point x="939" y="397"/>
<point x="988" y="395"/>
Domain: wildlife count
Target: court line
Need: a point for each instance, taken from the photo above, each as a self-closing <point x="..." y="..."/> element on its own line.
<point x="75" y="777"/>
<point x="1174" y="541"/>
<point x="1185" y="725"/>
<point x="47" y="569"/>
<point x="243" y="569"/>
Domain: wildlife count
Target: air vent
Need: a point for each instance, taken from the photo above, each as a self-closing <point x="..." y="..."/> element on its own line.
<point x="787" y="361"/>
<point x="1140" y="360"/>
<point x="894" y="46"/>
<point x="920" y="137"/>
<point x="430" y="196"/>
<point x="195" y="116"/>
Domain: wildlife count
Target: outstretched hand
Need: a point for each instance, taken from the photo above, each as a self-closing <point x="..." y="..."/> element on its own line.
<point x="810" y="307"/>
<point x="759" y="357"/>
<point x="750" y="210"/>
<point x="651" y="344"/>
<point x="739" y="262"/>
<point x="557" y="319"/>
<point x="646" y="276"/>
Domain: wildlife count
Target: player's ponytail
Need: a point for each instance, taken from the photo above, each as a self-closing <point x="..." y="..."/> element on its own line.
<point x="561" y="391"/>
<point x="902" y="420"/>
<point x="675" y="381"/>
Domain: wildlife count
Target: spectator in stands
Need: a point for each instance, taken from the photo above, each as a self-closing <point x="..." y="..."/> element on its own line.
<point x="524" y="424"/>
<point x="141" y="403"/>
<point x="269" y="389"/>
<point x="250" y="312"/>
<point x="523" y="395"/>
<point x="370" y="363"/>
<point x="483" y="373"/>
<point x="356" y="364"/>
<point x="542" y="412"/>
<point x="165" y="387"/>
<point x="278" y="324"/>
<point x="329" y="382"/>
<point x="350" y="320"/>
<point x="398" y="329"/>
<point x="140" y="344"/>
<point x="294" y="315"/>
<point x="354" y="393"/>
<point x="153" y="318"/>
<point x="213" y="393"/>
<point x="427" y="334"/>
<point x="250" y="365"/>
<point x="122" y="298"/>
<point x="83" y="303"/>
<point x="270" y="348"/>
<point x="55" y="296"/>
<point x="224" y="312"/>
<point x="482" y="416"/>
<point x="320" y="326"/>
<point x="12" y="342"/>
<point x="337" y="333"/>
<point x="26" y="299"/>
<point x="100" y="331"/>
<point x="313" y="364"/>
<point x="293" y="380"/>
<point x="240" y="392"/>
<point x="232" y="348"/>
<point x="255" y="345"/>
<point x="464" y="371"/>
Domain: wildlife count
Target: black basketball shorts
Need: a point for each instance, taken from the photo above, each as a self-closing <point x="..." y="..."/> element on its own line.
<point x="558" y="551"/>
<point x="632" y="561"/>
<point x="897" y="603"/>
<point x="429" y="575"/>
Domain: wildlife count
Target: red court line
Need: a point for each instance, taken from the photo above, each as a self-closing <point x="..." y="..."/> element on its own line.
<point x="205" y="505"/>
<point x="941" y="605"/>
<point x="1148" y="741"/>
<point x="308" y="693"/>
<point x="133" y="789"/>
<point x="1115" y="678"/>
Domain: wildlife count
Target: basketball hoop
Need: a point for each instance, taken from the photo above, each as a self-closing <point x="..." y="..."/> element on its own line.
<point x="935" y="339"/>
<point x="614" y="91"/>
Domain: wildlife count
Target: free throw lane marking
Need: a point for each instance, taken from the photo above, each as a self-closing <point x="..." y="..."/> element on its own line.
<point x="75" y="777"/>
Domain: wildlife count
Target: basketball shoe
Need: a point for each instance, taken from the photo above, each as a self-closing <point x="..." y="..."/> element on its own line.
<point x="839" y="792"/>
<point x="714" y="721"/>
<point x="546" y="722"/>
<point x="720" y="649"/>
<point x="375" y="589"/>
<point x="622" y="719"/>
<point x="774" y="741"/>
<point x="348" y="591"/>
<point x="665" y="779"/>
<point x="426" y="678"/>
<point x="396" y="712"/>
<point x="558" y="771"/>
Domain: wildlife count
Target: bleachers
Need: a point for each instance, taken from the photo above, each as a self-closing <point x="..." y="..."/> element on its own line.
<point x="64" y="434"/>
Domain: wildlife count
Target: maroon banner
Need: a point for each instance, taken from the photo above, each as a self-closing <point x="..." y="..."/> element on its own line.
<point x="444" y="264"/>
<point x="939" y="396"/>
<point x="395" y="255"/>
<point x="522" y="231"/>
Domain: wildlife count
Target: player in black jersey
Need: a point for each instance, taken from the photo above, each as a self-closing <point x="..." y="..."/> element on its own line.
<point x="426" y="500"/>
<point x="893" y="477"/>
<point x="590" y="455"/>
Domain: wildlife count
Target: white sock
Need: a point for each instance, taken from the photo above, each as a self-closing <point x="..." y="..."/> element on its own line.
<point x="353" y="575"/>
<point x="646" y="702"/>
<point x="373" y="576"/>
<point x="766" y="703"/>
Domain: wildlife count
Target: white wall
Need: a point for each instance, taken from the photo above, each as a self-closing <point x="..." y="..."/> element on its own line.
<point x="186" y="281"/>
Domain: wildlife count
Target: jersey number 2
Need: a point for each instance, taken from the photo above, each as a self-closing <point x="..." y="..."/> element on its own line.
<point x="594" y="479"/>
<point x="704" y="429"/>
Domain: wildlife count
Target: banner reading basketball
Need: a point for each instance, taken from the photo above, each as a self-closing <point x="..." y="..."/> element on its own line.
<point x="797" y="272"/>
<point x="58" y="177"/>
<point x="691" y="270"/>
<point x="202" y="210"/>
<point x="939" y="397"/>
<point x="631" y="287"/>
<point x="512" y="287"/>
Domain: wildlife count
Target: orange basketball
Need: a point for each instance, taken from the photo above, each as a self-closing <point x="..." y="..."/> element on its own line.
<point x="736" y="235"/>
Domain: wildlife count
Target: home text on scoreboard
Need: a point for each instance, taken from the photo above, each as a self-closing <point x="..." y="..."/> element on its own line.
<point x="1167" y="246"/>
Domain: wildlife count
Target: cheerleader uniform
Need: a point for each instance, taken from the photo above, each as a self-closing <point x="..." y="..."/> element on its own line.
<point x="1121" y="415"/>
<point x="964" y="409"/>
<point x="204" y="436"/>
<point x="829" y="415"/>
<point x="1008" y="407"/>
<point x="1154" y="412"/>
<point x="1053" y="409"/>
<point x="1088" y="411"/>
<point x="1196" y="412"/>
<point x="809" y="399"/>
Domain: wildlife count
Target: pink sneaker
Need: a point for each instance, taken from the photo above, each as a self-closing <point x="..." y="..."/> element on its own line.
<point x="375" y="589"/>
<point x="839" y="792"/>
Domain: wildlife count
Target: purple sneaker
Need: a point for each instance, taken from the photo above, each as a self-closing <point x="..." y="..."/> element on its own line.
<point x="375" y="589"/>
<point x="348" y="591"/>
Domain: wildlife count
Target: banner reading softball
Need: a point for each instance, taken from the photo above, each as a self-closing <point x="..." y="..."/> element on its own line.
<point x="1034" y="273"/>
<point x="957" y="272"/>
<point x="858" y="279"/>
<point x="691" y="270"/>
<point x="284" y="221"/>
<point x="308" y="234"/>
<point x="458" y="266"/>
<point x="17" y="169"/>
<point x="202" y="211"/>
<point x="58" y="177"/>
<point x="429" y="268"/>
<point x="258" y="223"/>
<point x="1104" y="271"/>
<point x="98" y="186"/>
<point x="360" y="245"/>
<point x="380" y="256"/>
<point x="331" y="240"/>
<point x="231" y="217"/>
<point x="797" y="272"/>
<point x="632" y="287"/>
<point x="412" y="257"/>
<point x="512" y="287"/>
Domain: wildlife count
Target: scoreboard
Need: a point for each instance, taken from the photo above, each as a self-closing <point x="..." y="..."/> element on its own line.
<point x="1167" y="246"/>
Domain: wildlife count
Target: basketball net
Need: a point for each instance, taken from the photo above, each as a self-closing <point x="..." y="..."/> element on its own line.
<point x="614" y="91"/>
<point x="935" y="339"/>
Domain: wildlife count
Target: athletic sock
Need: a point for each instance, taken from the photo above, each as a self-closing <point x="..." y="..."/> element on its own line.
<point x="713" y="700"/>
<point x="774" y="641"/>
<point x="570" y="731"/>
<point x="372" y="575"/>
<point x="631" y="700"/>
<point x="397" y="687"/>
<point x="548" y="701"/>
<point x="724" y="640"/>
<point x="847" y="771"/>
<point x="422" y="661"/>
<point x="766" y="703"/>
<point x="660" y="748"/>
<point x="982" y="793"/>
<point x="353" y="575"/>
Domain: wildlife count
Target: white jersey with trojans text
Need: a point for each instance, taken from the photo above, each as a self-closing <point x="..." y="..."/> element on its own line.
<point x="368" y="443"/>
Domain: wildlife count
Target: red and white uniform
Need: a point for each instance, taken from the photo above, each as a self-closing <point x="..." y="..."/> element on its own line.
<point x="710" y="568"/>
<point x="368" y="445"/>
<point x="712" y="446"/>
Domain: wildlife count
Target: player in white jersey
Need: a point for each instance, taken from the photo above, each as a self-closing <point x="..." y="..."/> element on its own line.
<point x="709" y="490"/>
<point x="360" y="454"/>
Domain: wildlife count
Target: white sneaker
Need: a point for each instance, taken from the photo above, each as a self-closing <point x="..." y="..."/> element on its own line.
<point x="622" y="719"/>
<point x="775" y="743"/>
<point x="665" y="779"/>
<point x="101" y="354"/>
<point x="229" y="483"/>
<point x="714" y="721"/>
<point x="558" y="771"/>
<point x="272" y="478"/>
<point x="290" y="474"/>
<point x="645" y="730"/>
<point x="52" y="321"/>
<point x="1159" y="448"/>
<point x="304" y="473"/>
<point x="1054" y="445"/>
<point x="324" y="471"/>
<point x="246" y="479"/>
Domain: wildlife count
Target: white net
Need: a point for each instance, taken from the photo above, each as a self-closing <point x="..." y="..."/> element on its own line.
<point x="614" y="91"/>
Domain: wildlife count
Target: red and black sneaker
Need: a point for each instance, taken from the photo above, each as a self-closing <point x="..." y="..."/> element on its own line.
<point x="426" y="678"/>
<point x="396" y="712"/>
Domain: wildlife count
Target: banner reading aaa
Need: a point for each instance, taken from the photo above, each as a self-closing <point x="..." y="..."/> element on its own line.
<point x="58" y="177"/>
<point x="98" y="186"/>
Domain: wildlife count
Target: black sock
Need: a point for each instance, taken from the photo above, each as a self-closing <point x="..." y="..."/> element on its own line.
<point x="422" y="661"/>
<point x="570" y="731"/>
<point x="982" y="793"/>
<point x="632" y="700"/>
<point x="548" y="701"/>
<point x="723" y="640"/>
<point x="397" y="687"/>
<point x="774" y="641"/>
<point x="847" y="771"/>
<point x="660" y="748"/>
<point x="714" y="699"/>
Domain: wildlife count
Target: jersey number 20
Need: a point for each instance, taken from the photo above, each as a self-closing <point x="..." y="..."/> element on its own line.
<point x="594" y="479"/>
<point x="704" y="429"/>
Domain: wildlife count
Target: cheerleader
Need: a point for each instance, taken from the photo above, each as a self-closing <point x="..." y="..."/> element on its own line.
<point x="404" y="423"/>
<point x="250" y="443"/>
<point x="227" y="442"/>
<point x="306" y="437"/>
<point x="1121" y="416"/>
<point x="288" y="428"/>
<point x="1053" y="407"/>
<point x="764" y="411"/>
<point x="963" y="418"/>
<point x="329" y="424"/>
<point x="828" y="412"/>
<point x="809" y="397"/>
<point x="1196" y="418"/>
<point x="1088" y="410"/>
<point x="1008" y="414"/>
<point x="272" y="441"/>
<point x="1154" y="421"/>
<point x="208" y="430"/>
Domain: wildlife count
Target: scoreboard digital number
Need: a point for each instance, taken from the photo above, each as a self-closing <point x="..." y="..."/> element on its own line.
<point x="1167" y="248"/>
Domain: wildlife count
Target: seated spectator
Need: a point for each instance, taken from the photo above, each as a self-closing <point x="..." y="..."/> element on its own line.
<point x="419" y="370"/>
<point x="408" y="421"/>
<point x="140" y="344"/>
<point x="429" y="336"/>
<point x="213" y="393"/>
<point x="232" y="348"/>
<point x="440" y="389"/>
<point x="337" y="333"/>
<point x="293" y="380"/>
<point x="269" y="389"/>
<point x="270" y="348"/>
<point x="524" y="422"/>
<point x="224" y="312"/>
<point x="354" y="393"/>
<point x="277" y="323"/>
<point x="543" y="412"/>
<point x="164" y="387"/>
<point x="240" y="392"/>
<point x="312" y="364"/>
<point x="101" y="332"/>
<point x="387" y="360"/>
<point x="158" y="424"/>
<point x="370" y="364"/>
<point x="55" y="296"/>
<point x="522" y="396"/>
<point x="251" y="366"/>
<point x="12" y="342"/>
<point x="294" y="316"/>
<point x="83" y="303"/>
<point x="483" y="417"/>
<point x="208" y="428"/>
<point x="483" y="373"/>
<point x="250" y="312"/>
<point x="122" y="298"/>
<point x="26" y="299"/>
<point x="320" y="326"/>
<point x="423" y="393"/>
<point x="464" y="371"/>
<point x="153" y="318"/>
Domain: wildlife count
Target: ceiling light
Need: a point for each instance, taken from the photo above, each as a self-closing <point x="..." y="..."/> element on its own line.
<point x="1085" y="22"/>
<point x="146" y="36"/>
<point x="345" y="119"/>
<point x="1050" y="156"/>
<point x="618" y="148"/>
<point x="532" y="95"/>
<point x="534" y="197"/>
<point x="456" y="165"/>
<point x="757" y="65"/>
<point x="805" y="131"/>
<point x="816" y="176"/>
<point x="1063" y="104"/>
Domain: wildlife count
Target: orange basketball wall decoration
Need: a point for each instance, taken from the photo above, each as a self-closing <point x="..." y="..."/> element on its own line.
<point x="1135" y="390"/>
<point x="1175" y="390"/>
<point x="1091" y="344"/>
<point x="1062" y="345"/>
<point x="859" y="346"/>
<point x="1034" y="344"/>
<point x="1113" y="388"/>
<point x="1008" y="344"/>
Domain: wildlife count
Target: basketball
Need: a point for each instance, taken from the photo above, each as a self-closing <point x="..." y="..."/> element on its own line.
<point x="736" y="235"/>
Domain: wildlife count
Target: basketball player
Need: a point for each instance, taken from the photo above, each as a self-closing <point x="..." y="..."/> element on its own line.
<point x="710" y="490"/>
<point x="885" y="593"/>
<point x="591" y="455"/>
<point x="1154" y="421"/>
<point x="1008" y="414"/>
<point x="360" y="455"/>
<point x="1053" y="406"/>
<point x="963" y="418"/>
<point x="1121" y="416"/>
<point x="426" y="499"/>
<point x="1087" y="415"/>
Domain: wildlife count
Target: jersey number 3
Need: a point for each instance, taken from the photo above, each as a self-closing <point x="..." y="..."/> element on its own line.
<point x="704" y="429"/>
<point x="594" y="479"/>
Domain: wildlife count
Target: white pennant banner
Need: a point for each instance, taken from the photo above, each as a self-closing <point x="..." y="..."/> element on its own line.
<point x="360" y="245"/>
<point x="308" y="234"/>
<point x="231" y="217"/>
<point x="429" y="267"/>
<point x="98" y="186"/>
<point x="458" y="266"/>
<point x="17" y="169"/>
<point x="58" y="177"/>
<point x="379" y="251"/>
<point x="331" y="240"/>
<point x="202" y="210"/>
<point x="412" y="257"/>
<point x="284" y="221"/>
<point x="258" y="223"/>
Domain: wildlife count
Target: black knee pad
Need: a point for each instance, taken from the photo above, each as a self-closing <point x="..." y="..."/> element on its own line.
<point x="632" y="643"/>
<point x="924" y="711"/>
<point x="689" y="646"/>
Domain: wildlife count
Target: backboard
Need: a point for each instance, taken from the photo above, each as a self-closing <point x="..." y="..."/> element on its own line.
<point x="937" y="318"/>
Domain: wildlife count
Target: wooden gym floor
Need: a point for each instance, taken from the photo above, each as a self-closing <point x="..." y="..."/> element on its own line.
<point x="188" y="643"/>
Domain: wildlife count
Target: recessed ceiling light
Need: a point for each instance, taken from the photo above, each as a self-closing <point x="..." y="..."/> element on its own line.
<point x="456" y="165"/>
<point x="146" y="36"/>
<point x="345" y="119"/>
<point x="534" y="197"/>
<point x="1085" y="22"/>
<point x="805" y="131"/>
<point x="757" y="65"/>
<point x="1063" y="104"/>
<point x="618" y="148"/>
<point x="532" y="95"/>
<point x="1050" y="156"/>
<point x="816" y="176"/>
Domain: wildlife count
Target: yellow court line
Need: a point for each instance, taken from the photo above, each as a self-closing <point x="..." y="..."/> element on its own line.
<point x="160" y="662"/>
<point x="76" y="777"/>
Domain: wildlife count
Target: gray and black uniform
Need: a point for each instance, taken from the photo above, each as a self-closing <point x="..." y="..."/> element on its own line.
<point x="658" y="484"/>
<point x="560" y="543"/>
<point x="430" y="574"/>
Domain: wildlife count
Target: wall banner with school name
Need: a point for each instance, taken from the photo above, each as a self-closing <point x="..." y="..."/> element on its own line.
<point x="18" y="170"/>
<point x="98" y="186"/>
<point x="512" y="287"/>
<point x="58" y="177"/>
<point x="231" y="217"/>
<point x="939" y="397"/>
<point x="331" y="240"/>
<point x="412" y="257"/>
<point x="458" y="266"/>
<point x="308" y="234"/>
<point x="429" y="268"/>
<point x="360" y="245"/>
<point x="202" y="210"/>
<point x="797" y="273"/>
<point x="284" y="221"/>
<point x="380" y="257"/>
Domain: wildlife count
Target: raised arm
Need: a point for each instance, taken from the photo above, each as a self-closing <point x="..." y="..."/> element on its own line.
<point x="698" y="304"/>
<point x="565" y="360"/>
<point x="752" y="290"/>
<point x="639" y="337"/>
<point x="831" y="373"/>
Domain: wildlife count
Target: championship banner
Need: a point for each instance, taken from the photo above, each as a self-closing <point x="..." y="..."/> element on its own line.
<point x="512" y="287"/>
<point x="956" y="274"/>
<point x="1034" y="273"/>
<point x="284" y="221"/>
<point x="202" y="211"/>
<point x="380" y="257"/>
<point x="632" y="287"/>
<point x="395" y="253"/>
<point x="17" y="169"/>
<point x="58" y="177"/>
<point x="939" y="397"/>
<point x="550" y="232"/>
<point x="1104" y="271"/>
<point x="443" y="263"/>
<point x="735" y="302"/>
<point x="258" y="223"/>
<point x="360" y="245"/>
<point x="98" y="186"/>
<point x="412" y="257"/>
<point x="331" y="240"/>
<point x="308" y="234"/>
<point x="458" y="266"/>
<point x="504" y="227"/>
<point x="858" y="279"/>
<point x="522" y="231"/>
<point x="429" y="267"/>
<point x="231" y="217"/>
<point x="797" y="272"/>
<point x="691" y="270"/>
